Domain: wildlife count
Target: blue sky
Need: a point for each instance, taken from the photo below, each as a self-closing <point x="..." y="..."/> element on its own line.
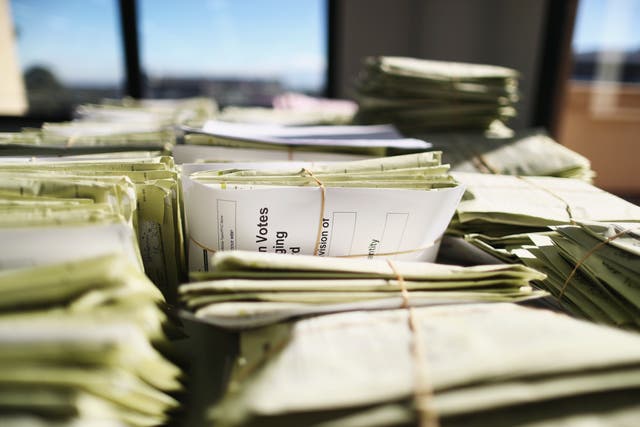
<point x="252" y="38"/>
<point x="80" y="39"/>
<point x="607" y="24"/>
<point x="77" y="39"/>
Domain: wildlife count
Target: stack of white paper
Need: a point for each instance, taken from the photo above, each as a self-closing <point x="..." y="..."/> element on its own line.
<point x="395" y="207"/>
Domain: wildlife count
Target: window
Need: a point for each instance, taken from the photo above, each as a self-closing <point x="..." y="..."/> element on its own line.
<point x="601" y="117"/>
<point x="240" y="52"/>
<point x="69" y="52"/>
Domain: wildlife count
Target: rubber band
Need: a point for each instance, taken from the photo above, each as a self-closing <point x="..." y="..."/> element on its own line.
<point x="322" y="204"/>
<point x="566" y="205"/>
<point x="479" y="165"/>
<point x="423" y="391"/>
<point x="201" y="246"/>
<point x="588" y="254"/>
<point x="487" y="164"/>
<point x="403" y="287"/>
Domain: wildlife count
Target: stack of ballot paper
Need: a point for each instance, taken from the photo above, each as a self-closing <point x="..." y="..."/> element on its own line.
<point x="561" y="227"/>
<point x="528" y="153"/>
<point x="386" y="207"/>
<point x="78" y="138"/>
<point x="156" y="112"/>
<point x="323" y="115"/>
<point x="464" y="365"/>
<point x="249" y="289"/>
<point x="80" y="346"/>
<point x="418" y="95"/>
<point x="502" y="205"/>
<point x="219" y="140"/>
<point x="60" y="208"/>
<point x="592" y="268"/>
<point x="112" y="126"/>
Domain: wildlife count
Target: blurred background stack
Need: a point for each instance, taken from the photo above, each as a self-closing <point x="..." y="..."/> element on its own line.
<point x="421" y="95"/>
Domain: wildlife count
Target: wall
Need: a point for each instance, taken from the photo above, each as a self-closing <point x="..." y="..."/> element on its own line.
<point x="501" y="32"/>
<point x="602" y="122"/>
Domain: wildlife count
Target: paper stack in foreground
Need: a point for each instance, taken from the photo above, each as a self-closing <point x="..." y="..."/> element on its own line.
<point x="81" y="344"/>
<point x="465" y="365"/>
<point x="563" y="228"/>
<point x="592" y="268"/>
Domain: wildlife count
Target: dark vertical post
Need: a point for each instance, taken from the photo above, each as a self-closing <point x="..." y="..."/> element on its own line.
<point x="129" y="22"/>
<point x="333" y="39"/>
<point x="556" y="63"/>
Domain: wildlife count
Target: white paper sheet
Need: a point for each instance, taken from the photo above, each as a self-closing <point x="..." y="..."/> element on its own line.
<point x="342" y="132"/>
<point x="341" y="136"/>
<point x="407" y="224"/>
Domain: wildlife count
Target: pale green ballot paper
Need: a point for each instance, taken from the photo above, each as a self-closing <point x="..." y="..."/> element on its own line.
<point x="249" y="289"/>
<point x="79" y="344"/>
<point x="463" y="365"/>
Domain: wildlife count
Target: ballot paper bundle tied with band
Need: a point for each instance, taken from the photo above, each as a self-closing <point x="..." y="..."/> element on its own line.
<point x="249" y="289"/>
<point x="418" y="94"/>
<point x="592" y="268"/>
<point x="562" y="227"/>
<point x="464" y="365"/>
<point x="386" y="207"/>
<point x="520" y="152"/>
<point x="82" y="344"/>
<point x="495" y="206"/>
<point x="57" y="209"/>
<point x="219" y="140"/>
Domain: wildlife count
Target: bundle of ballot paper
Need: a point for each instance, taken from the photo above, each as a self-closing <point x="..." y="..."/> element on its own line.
<point x="527" y="153"/>
<point x="294" y="109"/>
<point x="82" y="344"/>
<point x="386" y="207"/>
<point x="152" y="112"/>
<point x="503" y="205"/>
<point x="561" y="227"/>
<point x="86" y="137"/>
<point x="592" y="268"/>
<point x="56" y="209"/>
<point x="219" y="140"/>
<point x="78" y="138"/>
<point x="287" y="117"/>
<point x="249" y="289"/>
<point x="418" y="94"/>
<point x="464" y="365"/>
